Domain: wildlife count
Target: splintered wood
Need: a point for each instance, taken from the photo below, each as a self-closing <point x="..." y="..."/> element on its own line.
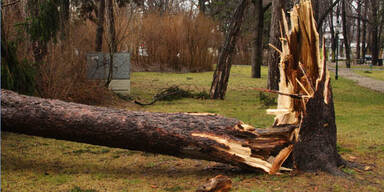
<point x="303" y="72"/>
<point x="300" y="65"/>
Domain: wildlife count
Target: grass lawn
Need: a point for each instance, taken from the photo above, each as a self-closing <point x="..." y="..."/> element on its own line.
<point x="39" y="164"/>
<point x="373" y="74"/>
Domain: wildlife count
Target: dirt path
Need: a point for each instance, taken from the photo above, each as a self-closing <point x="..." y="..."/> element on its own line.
<point x="367" y="82"/>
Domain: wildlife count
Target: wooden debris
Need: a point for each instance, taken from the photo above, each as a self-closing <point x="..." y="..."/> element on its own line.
<point x="219" y="183"/>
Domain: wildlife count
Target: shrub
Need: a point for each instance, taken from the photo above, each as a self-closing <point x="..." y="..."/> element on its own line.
<point x="178" y="42"/>
<point x="62" y="75"/>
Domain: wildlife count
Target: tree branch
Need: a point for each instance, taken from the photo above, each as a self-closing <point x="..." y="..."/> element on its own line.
<point x="322" y="18"/>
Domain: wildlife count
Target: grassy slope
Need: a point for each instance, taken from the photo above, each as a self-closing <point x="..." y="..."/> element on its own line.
<point x="38" y="164"/>
<point x="373" y="74"/>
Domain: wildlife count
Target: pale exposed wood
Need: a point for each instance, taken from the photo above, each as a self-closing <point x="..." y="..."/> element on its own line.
<point x="280" y="158"/>
<point x="220" y="183"/>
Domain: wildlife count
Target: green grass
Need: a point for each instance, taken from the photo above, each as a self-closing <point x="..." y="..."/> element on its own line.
<point x="379" y="75"/>
<point x="40" y="164"/>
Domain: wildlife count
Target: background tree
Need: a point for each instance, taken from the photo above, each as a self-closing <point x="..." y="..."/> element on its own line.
<point x="257" y="43"/>
<point x="274" y="40"/>
<point x="100" y="24"/>
<point x="346" y="34"/>
<point x="224" y="64"/>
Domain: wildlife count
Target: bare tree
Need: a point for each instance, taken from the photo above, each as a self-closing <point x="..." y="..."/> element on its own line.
<point x="112" y="40"/>
<point x="358" y="37"/>
<point x="345" y="34"/>
<point x="364" y="37"/>
<point x="374" y="31"/>
<point x="274" y="39"/>
<point x="224" y="64"/>
<point x="257" y="49"/>
<point x="100" y="24"/>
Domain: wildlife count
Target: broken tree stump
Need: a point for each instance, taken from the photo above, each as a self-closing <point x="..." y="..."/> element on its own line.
<point x="305" y="94"/>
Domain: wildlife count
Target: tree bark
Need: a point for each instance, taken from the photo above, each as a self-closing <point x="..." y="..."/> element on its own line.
<point x="345" y="35"/>
<point x="257" y="50"/>
<point x="198" y="136"/>
<point x="274" y="39"/>
<point x="328" y="11"/>
<point x="224" y="64"/>
<point x="112" y="41"/>
<point x="375" y="47"/>
<point x="364" y="38"/>
<point x="358" y="38"/>
<point x="333" y="37"/>
<point x="100" y="25"/>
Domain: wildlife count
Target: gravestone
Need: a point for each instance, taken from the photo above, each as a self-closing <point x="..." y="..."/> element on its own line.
<point x="98" y="69"/>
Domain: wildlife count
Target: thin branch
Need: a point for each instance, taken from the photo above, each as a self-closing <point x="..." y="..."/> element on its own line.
<point x="322" y="18"/>
<point x="306" y="77"/>
<point x="275" y="48"/>
<point x="294" y="96"/>
<point x="302" y="86"/>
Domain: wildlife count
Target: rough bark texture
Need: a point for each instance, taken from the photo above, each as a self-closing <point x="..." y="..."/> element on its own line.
<point x="364" y="38"/>
<point x="224" y="64"/>
<point x="100" y="25"/>
<point x="112" y="40"/>
<point x="198" y="136"/>
<point x="257" y="51"/>
<point x="274" y="39"/>
<point x="358" y="37"/>
<point x="345" y="35"/>
<point x="375" y="43"/>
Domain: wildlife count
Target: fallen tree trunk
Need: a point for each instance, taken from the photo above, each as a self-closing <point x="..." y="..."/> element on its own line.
<point x="198" y="136"/>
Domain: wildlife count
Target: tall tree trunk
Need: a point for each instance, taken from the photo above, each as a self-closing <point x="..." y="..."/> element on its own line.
<point x="257" y="50"/>
<point x="274" y="39"/>
<point x="345" y="34"/>
<point x="112" y="40"/>
<point x="333" y="37"/>
<point x="364" y="38"/>
<point x="358" y="38"/>
<point x="375" y="47"/>
<point x="224" y="64"/>
<point x="100" y="25"/>
<point x="64" y="17"/>
<point x="329" y="11"/>
<point x="39" y="47"/>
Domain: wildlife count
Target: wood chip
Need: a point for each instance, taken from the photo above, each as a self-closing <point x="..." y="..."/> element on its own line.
<point x="220" y="183"/>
